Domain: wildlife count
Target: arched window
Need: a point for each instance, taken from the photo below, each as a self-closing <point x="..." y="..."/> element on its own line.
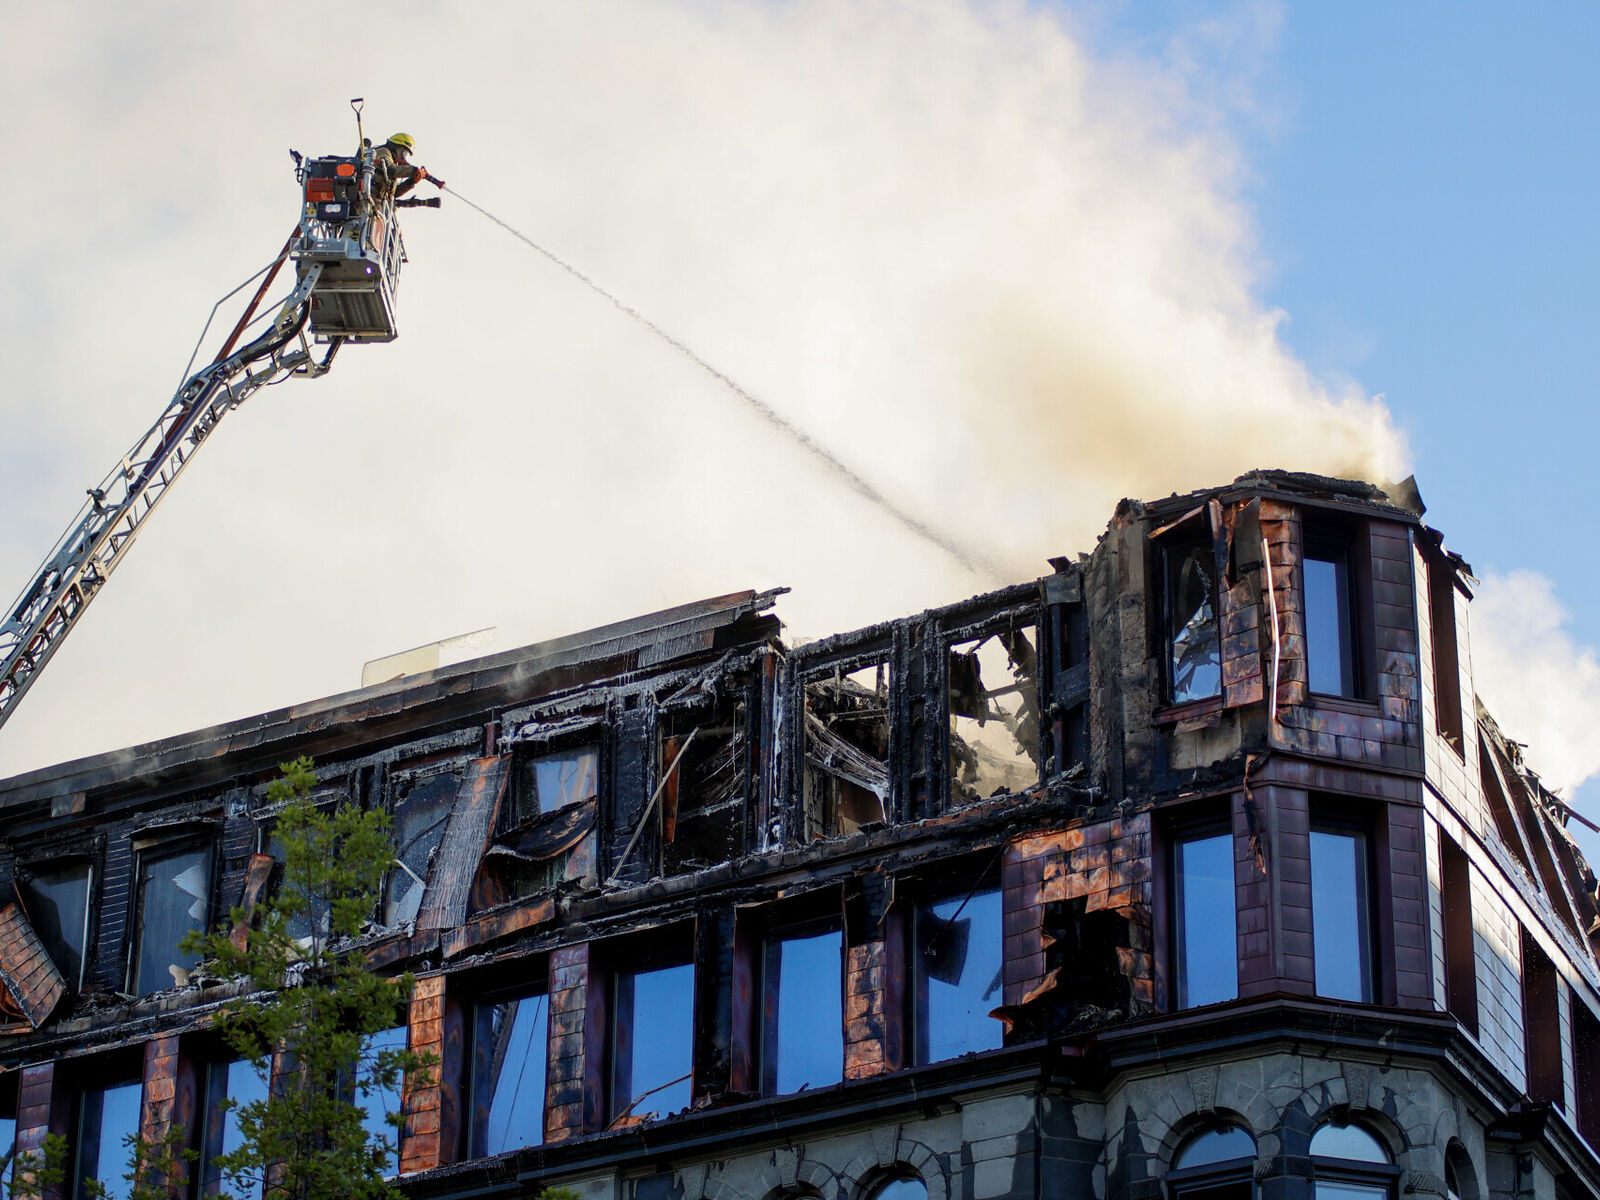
<point x="904" y="1187"/>
<point x="1351" y="1164"/>
<point x="1215" y="1164"/>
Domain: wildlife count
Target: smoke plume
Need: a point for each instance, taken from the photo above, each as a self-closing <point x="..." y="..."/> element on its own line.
<point x="1004" y="281"/>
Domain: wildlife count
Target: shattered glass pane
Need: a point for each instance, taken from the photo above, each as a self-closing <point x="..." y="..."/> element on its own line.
<point x="547" y="782"/>
<point x="805" y="1035"/>
<point x="58" y="908"/>
<point x="1195" y="658"/>
<point x="376" y="1100"/>
<point x="421" y="810"/>
<point x="958" y="976"/>
<point x="994" y="714"/>
<point x="651" y="1044"/>
<point x="174" y="891"/>
<point x="847" y="750"/>
<point x="512" y="1045"/>
<point x="107" y="1118"/>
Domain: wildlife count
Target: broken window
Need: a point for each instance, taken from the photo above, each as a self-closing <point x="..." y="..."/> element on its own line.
<point x="1205" y="917"/>
<point x="509" y="1050"/>
<point x="803" y="1036"/>
<point x="174" y="898"/>
<point x="1341" y="912"/>
<point x="549" y="780"/>
<point x="239" y="1081"/>
<point x="847" y="726"/>
<point x="57" y="900"/>
<point x="994" y="714"/>
<point x="378" y="1098"/>
<point x="107" y="1119"/>
<point x="705" y="800"/>
<point x="652" y="1042"/>
<point x="420" y="808"/>
<point x="1194" y="644"/>
<point x="1331" y="653"/>
<point x="957" y="976"/>
<point x="1215" y="1164"/>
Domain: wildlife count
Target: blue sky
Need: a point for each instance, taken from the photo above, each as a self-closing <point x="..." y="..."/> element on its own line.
<point x="1422" y="181"/>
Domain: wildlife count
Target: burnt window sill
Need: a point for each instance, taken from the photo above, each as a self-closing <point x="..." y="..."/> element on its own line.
<point x="1346" y="704"/>
<point x="1174" y="713"/>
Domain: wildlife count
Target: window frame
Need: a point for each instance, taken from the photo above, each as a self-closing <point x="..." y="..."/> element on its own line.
<point x="60" y="862"/>
<point x="771" y="1010"/>
<point x="157" y="851"/>
<point x="1204" y="1177"/>
<point x="211" y="1130"/>
<point x="88" y="1078"/>
<point x="1169" y="551"/>
<point x="918" y="1021"/>
<point x="1357" y="1172"/>
<point x="1362" y="828"/>
<point x="479" y="1102"/>
<point x="544" y="738"/>
<point x="1329" y="536"/>
<point x="1215" y="820"/>
<point x="672" y="949"/>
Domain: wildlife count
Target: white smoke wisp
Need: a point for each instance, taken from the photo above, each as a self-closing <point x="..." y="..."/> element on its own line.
<point x="1004" y="281"/>
<point x="1541" y="685"/>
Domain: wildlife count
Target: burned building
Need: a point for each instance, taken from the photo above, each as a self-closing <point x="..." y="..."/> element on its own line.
<point x="1192" y="870"/>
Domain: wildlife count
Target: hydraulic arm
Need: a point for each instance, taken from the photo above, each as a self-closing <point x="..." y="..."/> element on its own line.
<point x="347" y="252"/>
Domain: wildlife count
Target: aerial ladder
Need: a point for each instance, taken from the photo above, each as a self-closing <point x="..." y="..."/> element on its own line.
<point x="347" y="253"/>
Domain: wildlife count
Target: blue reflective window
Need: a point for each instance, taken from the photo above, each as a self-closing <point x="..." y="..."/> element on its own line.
<point x="1206" y="920"/>
<point x="902" y="1189"/>
<point x="803" y="1044"/>
<point x="1330" y="629"/>
<point x="378" y="1100"/>
<point x="958" y="976"/>
<point x="1215" y="1146"/>
<point x="510" y="1050"/>
<point x="1349" y="1142"/>
<point x="1340" y="917"/>
<point x="242" y="1083"/>
<point x="107" y="1117"/>
<point x="653" y="1042"/>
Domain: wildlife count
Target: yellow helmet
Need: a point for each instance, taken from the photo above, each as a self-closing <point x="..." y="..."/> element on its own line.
<point x="404" y="140"/>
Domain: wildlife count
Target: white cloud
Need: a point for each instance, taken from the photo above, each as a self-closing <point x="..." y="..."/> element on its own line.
<point x="1007" y="282"/>
<point x="1541" y="684"/>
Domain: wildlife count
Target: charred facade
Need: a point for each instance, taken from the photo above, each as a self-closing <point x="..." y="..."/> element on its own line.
<point x="1191" y="869"/>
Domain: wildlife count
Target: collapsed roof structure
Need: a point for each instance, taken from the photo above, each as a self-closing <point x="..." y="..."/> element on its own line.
<point x="1193" y="866"/>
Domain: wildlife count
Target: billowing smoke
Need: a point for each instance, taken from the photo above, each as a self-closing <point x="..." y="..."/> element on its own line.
<point x="1002" y="280"/>
<point x="1542" y="686"/>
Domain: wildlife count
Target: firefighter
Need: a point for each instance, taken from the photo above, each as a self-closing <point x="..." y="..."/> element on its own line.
<point x="393" y="176"/>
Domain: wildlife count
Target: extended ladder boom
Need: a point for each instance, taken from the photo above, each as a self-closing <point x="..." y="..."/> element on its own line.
<point x="348" y="253"/>
<point x="77" y="568"/>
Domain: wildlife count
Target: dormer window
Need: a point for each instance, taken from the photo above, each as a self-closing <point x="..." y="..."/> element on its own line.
<point x="174" y="898"/>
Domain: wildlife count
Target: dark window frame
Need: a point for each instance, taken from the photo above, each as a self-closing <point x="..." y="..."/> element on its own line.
<point x="479" y="1100"/>
<point x="1325" y="535"/>
<point x="624" y="962"/>
<point x="56" y="862"/>
<point x="1358" y="1172"/>
<point x="1204" y="821"/>
<point x="157" y="850"/>
<point x="211" y="1121"/>
<point x="99" y="1076"/>
<point x="974" y="881"/>
<point x="1352" y="821"/>
<point x="1169" y="551"/>
<point x="1460" y="943"/>
<point x="1010" y="620"/>
<point x="1203" y="1181"/>
<point x="770" y="1011"/>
